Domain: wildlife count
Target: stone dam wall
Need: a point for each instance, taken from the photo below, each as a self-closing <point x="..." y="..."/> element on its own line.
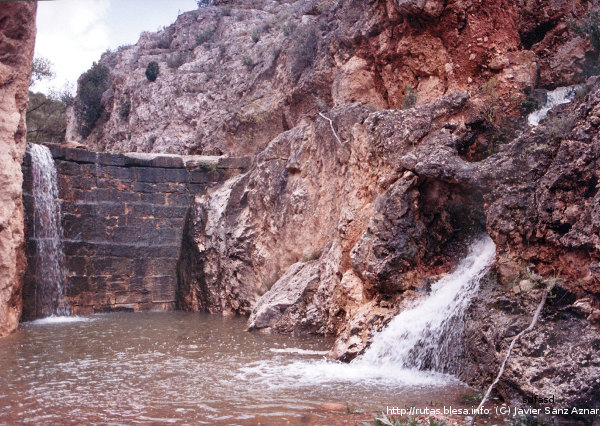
<point x="123" y="217"/>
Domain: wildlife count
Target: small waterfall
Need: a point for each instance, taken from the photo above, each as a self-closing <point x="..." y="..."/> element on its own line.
<point x="428" y="336"/>
<point x="417" y="347"/>
<point x="558" y="96"/>
<point x="47" y="234"/>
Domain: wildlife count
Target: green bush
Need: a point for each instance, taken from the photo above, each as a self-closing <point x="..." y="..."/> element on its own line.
<point x="152" y="71"/>
<point x="46" y="117"/>
<point x="288" y="28"/>
<point x="164" y="42"/>
<point x="88" y="107"/>
<point x="528" y="105"/>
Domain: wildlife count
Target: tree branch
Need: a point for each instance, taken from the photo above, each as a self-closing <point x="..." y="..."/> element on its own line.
<point x="332" y="129"/>
<point x="510" y="348"/>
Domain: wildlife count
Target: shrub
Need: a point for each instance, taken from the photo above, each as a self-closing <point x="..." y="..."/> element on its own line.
<point x="255" y="36"/>
<point x="164" y="42"/>
<point x="222" y="50"/>
<point x="248" y="62"/>
<point x="175" y="60"/>
<point x="589" y="28"/>
<point x="204" y="3"/>
<point x="46" y="117"/>
<point x="204" y="36"/>
<point x="288" y="28"/>
<point x="528" y="105"/>
<point x="226" y="11"/>
<point x="409" y="99"/>
<point x="88" y="108"/>
<point x="152" y="71"/>
<point x="124" y="107"/>
<point x="304" y="51"/>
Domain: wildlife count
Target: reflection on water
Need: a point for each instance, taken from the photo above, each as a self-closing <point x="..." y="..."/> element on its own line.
<point x="184" y="367"/>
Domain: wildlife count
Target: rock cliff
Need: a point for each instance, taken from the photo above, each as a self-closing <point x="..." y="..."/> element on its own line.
<point x="17" y="35"/>
<point x="385" y="135"/>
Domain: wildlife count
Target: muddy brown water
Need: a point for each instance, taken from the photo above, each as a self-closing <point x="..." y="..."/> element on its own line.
<point x="176" y="367"/>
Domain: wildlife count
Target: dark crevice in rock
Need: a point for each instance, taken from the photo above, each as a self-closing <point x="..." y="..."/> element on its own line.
<point x="537" y="34"/>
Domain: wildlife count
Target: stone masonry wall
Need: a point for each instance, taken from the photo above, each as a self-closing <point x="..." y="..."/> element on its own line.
<point x="123" y="218"/>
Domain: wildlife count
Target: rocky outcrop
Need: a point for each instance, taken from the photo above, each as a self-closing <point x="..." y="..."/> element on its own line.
<point x="17" y="36"/>
<point x="386" y="134"/>
<point x="407" y="204"/>
<point x="302" y="201"/>
<point x="244" y="72"/>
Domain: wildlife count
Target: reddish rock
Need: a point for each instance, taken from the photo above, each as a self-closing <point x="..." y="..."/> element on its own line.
<point x="17" y="36"/>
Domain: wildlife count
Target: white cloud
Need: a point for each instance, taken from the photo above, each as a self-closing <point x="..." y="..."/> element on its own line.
<point x="72" y="34"/>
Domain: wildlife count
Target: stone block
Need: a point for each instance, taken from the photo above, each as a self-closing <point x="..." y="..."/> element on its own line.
<point x="76" y="285"/>
<point x="107" y="159"/>
<point x="153" y="198"/>
<point x="146" y="187"/>
<point x="167" y="161"/>
<point x="121" y="173"/>
<point x="200" y="176"/>
<point x="110" y="208"/>
<point x="80" y="155"/>
<point x="164" y="266"/>
<point x="175" y="199"/>
<point x="170" y="211"/>
<point x="118" y="286"/>
<point x="176" y="175"/>
<point x="113" y="249"/>
<point x="197" y="188"/>
<point x="115" y="195"/>
<point x="68" y="168"/>
<point x="140" y="209"/>
<point x="149" y="174"/>
<point x="163" y="288"/>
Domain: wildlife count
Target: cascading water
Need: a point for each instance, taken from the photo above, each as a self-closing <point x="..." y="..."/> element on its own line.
<point x="427" y="336"/>
<point x="47" y="234"/>
<point x="558" y="96"/>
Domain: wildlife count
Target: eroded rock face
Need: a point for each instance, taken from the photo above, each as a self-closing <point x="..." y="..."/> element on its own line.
<point x="309" y="197"/>
<point x="558" y="358"/>
<point x="241" y="73"/>
<point x="17" y="36"/>
<point x="407" y="204"/>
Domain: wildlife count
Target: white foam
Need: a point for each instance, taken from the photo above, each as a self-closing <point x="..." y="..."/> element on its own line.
<point x="60" y="320"/>
<point x="297" y="351"/>
<point x="416" y="343"/>
<point x="429" y="335"/>
<point x="558" y="96"/>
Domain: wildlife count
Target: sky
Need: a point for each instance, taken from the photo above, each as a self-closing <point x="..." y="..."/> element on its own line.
<point x="73" y="34"/>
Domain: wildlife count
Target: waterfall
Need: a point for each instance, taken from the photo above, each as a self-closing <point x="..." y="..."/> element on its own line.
<point x="419" y="346"/>
<point x="47" y="234"/>
<point x="558" y="96"/>
<point x="428" y="336"/>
